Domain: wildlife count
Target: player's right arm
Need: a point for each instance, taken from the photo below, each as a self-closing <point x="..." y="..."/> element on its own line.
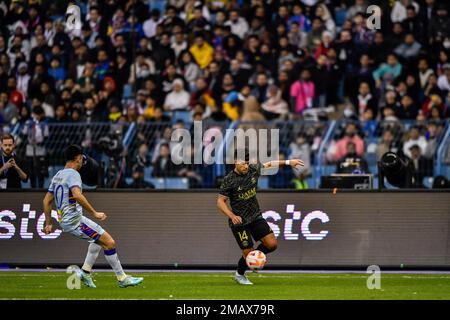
<point x="47" y="202"/>
<point x="224" y="193"/>
<point x="81" y="199"/>
<point x="223" y="207"/>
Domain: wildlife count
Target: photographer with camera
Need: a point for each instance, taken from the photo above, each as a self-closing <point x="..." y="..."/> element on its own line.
<point x="11" y="172"/>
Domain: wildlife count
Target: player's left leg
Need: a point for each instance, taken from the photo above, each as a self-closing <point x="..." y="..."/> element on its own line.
<point x="109" y="246"/>
<point x="245" y="242"/>
<point x="261" y="231"/>
<point x="242" y="268"/>
<point x="268" y="244"/>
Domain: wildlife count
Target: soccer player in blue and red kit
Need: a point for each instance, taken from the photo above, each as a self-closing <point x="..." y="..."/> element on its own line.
<point x="66" y="190"/>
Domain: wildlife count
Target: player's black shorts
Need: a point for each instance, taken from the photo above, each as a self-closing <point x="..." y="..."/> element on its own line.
<point x="257" y="230"/>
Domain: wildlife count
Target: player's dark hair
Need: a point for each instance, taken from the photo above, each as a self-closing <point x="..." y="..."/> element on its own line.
<point x="72" y="151"/>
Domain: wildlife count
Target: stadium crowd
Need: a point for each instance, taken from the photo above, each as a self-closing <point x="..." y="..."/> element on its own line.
<point x="224" y="60"/>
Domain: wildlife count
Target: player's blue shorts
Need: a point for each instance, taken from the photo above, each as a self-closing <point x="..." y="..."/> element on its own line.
<point x="88" y="230"/>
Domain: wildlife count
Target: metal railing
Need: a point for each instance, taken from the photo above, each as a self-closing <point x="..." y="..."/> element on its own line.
<point x="106" y="142"/>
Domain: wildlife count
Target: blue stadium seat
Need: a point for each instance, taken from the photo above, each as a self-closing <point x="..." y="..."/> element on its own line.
<point x="86" y="187"/>
<point x="148" y="172"/>
<point x="185" y="116"/>
<point x="263" y="183"/>
<point x="177" y="183"/>
<point x="127" y="91"/>
<point x="311" y="182"/>
<point x="26" y="185"/>
<point x="340" y="17"/>
<point x="329" y="169"/>
<point x="371" y="159"/>
<point x="428" y="182"/>
<point x="157" y="182"/>
<point x="158" y="4"/>
<point x="52" y="170"/>
<point x="447" y="171"/>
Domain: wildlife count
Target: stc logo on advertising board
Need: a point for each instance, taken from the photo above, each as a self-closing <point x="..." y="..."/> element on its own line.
<point x="289" y="231"/>
<point x="27" y="226"/>
<point x="290" y="227"/>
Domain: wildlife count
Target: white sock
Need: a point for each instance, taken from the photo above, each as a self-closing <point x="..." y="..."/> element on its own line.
<point x="113" y="260"/>
<point x="92" y="254"/>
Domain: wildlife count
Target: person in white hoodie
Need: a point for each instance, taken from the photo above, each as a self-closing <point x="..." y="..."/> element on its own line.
<point x="239" y="25"/>
<point x="399" y="13"/>
<point x="274" y="106"/>
<point x="178" y="98"/>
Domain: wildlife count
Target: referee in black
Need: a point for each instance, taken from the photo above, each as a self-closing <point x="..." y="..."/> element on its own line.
<point x="11" y="172"/>
<point x="245" y="218"/>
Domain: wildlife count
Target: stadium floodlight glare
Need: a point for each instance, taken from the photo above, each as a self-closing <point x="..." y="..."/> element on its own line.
<point x="90" y="172"/>
<point x="396" y="171"/>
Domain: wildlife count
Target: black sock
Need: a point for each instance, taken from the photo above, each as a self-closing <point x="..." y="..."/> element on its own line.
<point x="85" y="271"/>
<point x="242" y="266"/>
<point x="263" y="249"/>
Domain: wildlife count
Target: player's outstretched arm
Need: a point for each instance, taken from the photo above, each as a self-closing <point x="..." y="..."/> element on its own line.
<point x="279" y="163"/>
<point x="47" y="202"/>
<point x="81" y="199"/>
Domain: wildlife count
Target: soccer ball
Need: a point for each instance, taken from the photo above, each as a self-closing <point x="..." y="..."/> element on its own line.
<point x="256" y="260"/>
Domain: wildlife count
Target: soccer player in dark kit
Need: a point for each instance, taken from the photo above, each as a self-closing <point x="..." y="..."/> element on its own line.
<point x="245" y="218"/>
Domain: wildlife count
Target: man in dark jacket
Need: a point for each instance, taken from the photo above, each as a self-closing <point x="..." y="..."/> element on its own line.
<point x="12" y="169"/>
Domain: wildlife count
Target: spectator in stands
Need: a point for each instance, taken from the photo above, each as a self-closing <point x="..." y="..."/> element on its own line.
<point x="350" y="135"/>
<point x="439" y="26"/>
<point x="360" y="6"/>
<point x="364" y="101"/>
<point x="351" y="162"/>
<point x="274" y="106"/>
<point x="191" y="171"/>
<point x="261" y="87"/>
<point x="163" y="136"/>
<point x="424" y="72"/>
<point x="8" y="110"/>
<point x="408" y="109"/>
<point x="202" y="51"/>
<point x="163" y="166"/>
<point x="409" y="49"/>
<point x="399" y="11"/>
<point x="150" y="24"/>
<point x="35" y="132"/>
<point x="388" y="71"/>
<point x="138" y="179"/>
<point x="434" y="101"/>
<point x="422" y="167"/>
<point x="188" y="68"/>
<point x="301" y="149"/>
<point x="251" y="110"/>
<point x="220" y="50"/>
<point x="238" y="25"/>
<point x="12" y="168"/>
<point x="303" y="92"/>
<point x="178" y="98"/>
<point x="432" y="135"/>
<point x="387" y="143"/>
<point x="444" y="79"/>
<point x="414" y="138"/>
<point x="369" y="124"/>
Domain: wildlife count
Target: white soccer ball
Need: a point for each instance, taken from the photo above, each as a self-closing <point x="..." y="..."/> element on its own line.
<point x="256" y="260"/>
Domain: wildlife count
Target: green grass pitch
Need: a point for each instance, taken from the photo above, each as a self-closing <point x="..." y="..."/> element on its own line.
<point x="171" y="285"/>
